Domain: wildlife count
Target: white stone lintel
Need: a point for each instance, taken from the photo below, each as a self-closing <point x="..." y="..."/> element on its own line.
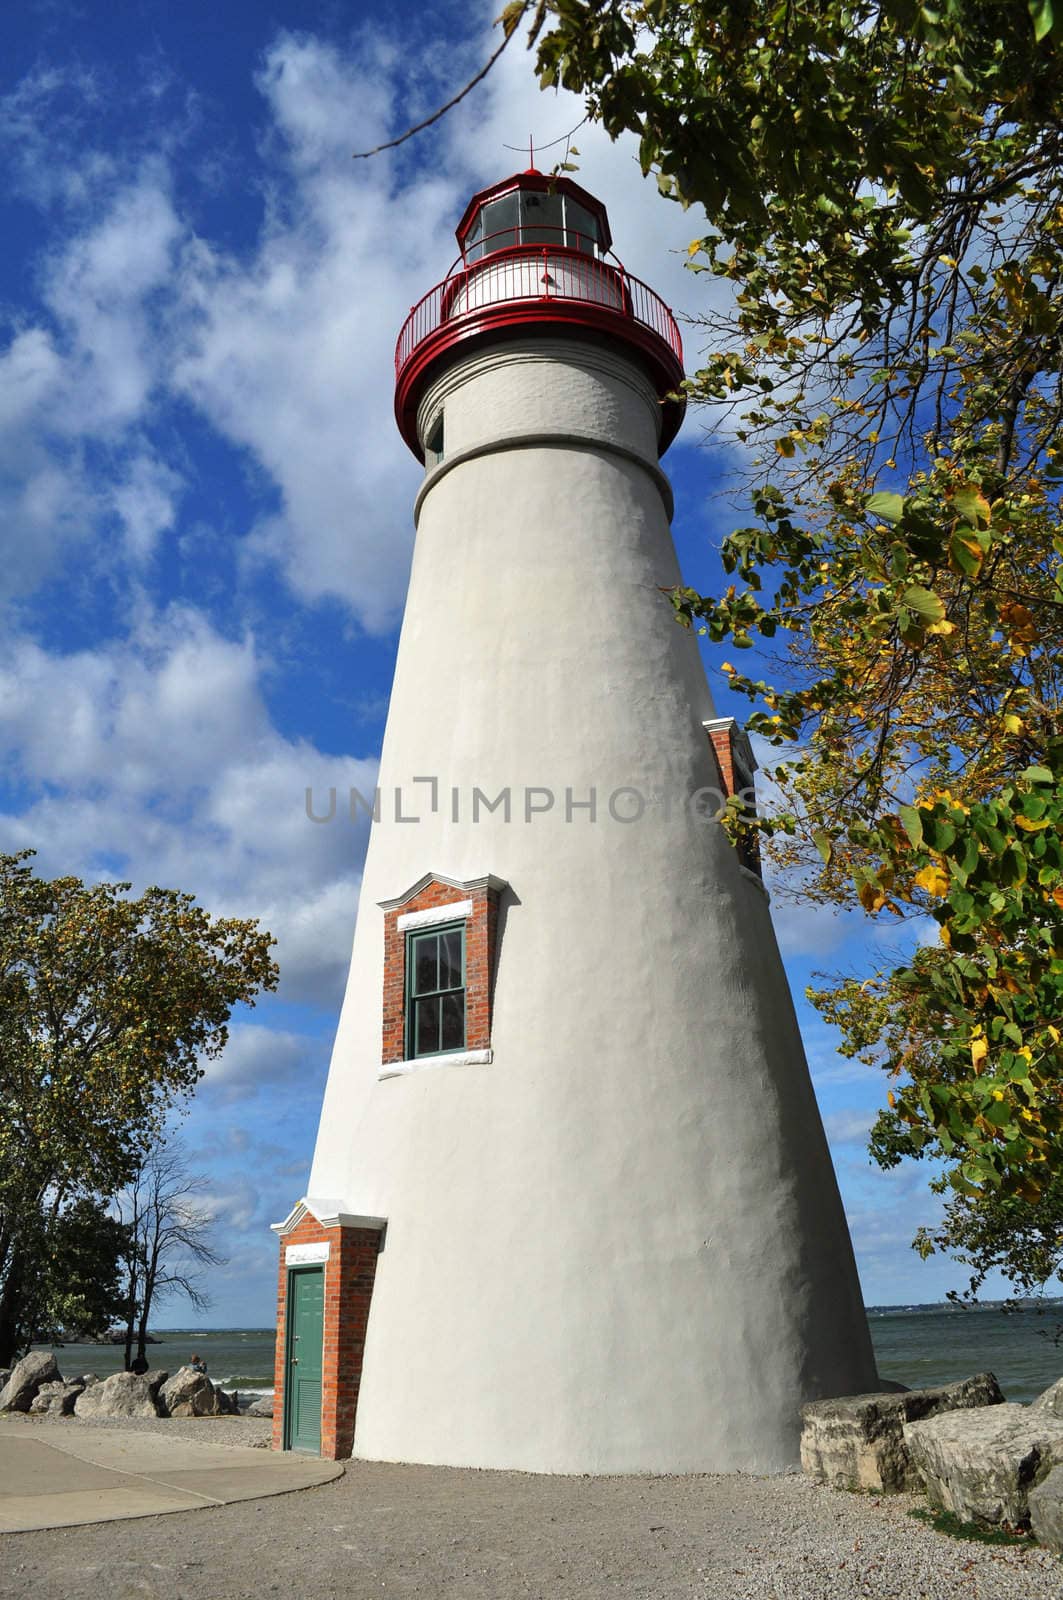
<point x="451" y="1058"/>
<point x="301" y="1255"/>
<point x="424" y="919"/>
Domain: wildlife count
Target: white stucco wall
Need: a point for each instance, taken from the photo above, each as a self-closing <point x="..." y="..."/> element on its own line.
<point x="617" y="1246"/>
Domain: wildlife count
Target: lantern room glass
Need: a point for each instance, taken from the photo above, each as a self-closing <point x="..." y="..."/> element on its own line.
<point x="531" y="217"/>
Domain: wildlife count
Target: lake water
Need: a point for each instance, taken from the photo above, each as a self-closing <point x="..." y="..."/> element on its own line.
<point x="915" y="1345"/>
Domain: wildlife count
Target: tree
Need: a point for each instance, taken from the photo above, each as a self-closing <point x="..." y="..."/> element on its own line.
<point x="108" y="1004"/>
<point x="884" y="185"/>
<point x="74" y="1289"/>
<point x="168" y="1240"/>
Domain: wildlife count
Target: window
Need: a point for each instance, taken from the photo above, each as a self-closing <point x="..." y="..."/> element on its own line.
<point x="439" y="962"/>
<point x="435" y="991"/>
<point x="433" y="445"/>
<point x="541" y="218"/>
<point x="530" y="217"/>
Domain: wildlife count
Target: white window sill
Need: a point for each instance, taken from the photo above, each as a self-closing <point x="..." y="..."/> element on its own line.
<point x="452" y="1058"/>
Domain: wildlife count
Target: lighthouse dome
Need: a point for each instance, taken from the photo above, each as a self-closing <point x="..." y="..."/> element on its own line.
<point x="536" y="252"/>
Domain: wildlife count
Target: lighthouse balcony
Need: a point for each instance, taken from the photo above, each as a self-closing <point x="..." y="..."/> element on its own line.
<point x="550" y="285"/>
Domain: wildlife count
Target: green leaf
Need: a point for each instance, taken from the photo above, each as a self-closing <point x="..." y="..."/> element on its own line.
<point x="1043" y="18"/>
<point x="888" y="506"/>
<point x="912" y="823"/>
<point x="965" y="555"/>
<point x="1038" y="775"/>
<point x="939" y="835"/>
<point x="972" y="505"/>
<point x="825" y="845"/>
<point x="927" y="605"/>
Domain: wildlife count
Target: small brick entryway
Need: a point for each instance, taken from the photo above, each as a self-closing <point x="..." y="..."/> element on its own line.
<point x="347" y="1248"/>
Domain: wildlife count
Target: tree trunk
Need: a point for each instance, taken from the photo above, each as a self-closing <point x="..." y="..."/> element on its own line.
<point x="145" y="1308"/>
<point x="130" y="1316"/>
<point x="14" y="1336"/>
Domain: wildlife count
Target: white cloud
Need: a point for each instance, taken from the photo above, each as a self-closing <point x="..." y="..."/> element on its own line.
<point x="146" y="503"/>
<point x="848" y="1127"/>
<point x="256" y="1057"/>
<point x="83" y="375"/>
<point x="100" y="286"/>
<point x="286" y="349"/>
<point x="155" y="758"/>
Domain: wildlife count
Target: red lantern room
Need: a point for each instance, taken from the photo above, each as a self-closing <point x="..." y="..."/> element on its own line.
<point x="536" y="252"/>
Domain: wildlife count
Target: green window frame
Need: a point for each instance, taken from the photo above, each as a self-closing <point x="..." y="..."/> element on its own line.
<point x="435" y="990"/>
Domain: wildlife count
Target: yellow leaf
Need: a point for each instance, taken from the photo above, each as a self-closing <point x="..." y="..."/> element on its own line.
<point x="1019" y="623"/>
<point x="872" y="897"/>
<point x="979" y="1051"/>
<point x="1028" y="825"/>
<point x="1012" y="723"/>
<point x="933" y="880"/>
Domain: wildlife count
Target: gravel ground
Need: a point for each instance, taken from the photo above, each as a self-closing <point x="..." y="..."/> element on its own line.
<point x="459" y="1535"/>
<point x="205" y="1430"/>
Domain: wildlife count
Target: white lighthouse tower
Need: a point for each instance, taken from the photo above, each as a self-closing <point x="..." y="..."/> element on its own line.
<point x="571" y="1207"/>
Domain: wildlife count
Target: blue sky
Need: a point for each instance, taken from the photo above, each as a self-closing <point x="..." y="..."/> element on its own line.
<point x="205" y="506"/>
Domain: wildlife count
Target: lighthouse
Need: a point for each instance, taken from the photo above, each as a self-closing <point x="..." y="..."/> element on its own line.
<point x="571" y="1206"/>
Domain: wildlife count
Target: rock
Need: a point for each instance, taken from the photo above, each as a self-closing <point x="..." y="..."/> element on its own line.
<point x="857" y="1441"/>
<point x="1051" y="1401"/>
<point x="981" y="1465"/>
<point x="5" y="1373"/>
<point x="1046" y="1511"/>
<point x="26" y="1378"/>
<point x="261" y="1408"/>
<point x="57" y="1397"/>
<point x="191" y="1394"/>
<point x="124" y="1394"/>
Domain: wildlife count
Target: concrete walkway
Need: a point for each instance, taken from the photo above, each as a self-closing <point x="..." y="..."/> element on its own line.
<point x="104" y="1475"/>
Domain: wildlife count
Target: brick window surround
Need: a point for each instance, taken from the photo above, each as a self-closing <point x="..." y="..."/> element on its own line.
<point x="354" y="1244"/>
<point x="736" y="765"/>
<point x="473" y="902"/>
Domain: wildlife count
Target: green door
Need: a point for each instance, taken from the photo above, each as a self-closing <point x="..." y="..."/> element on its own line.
<point x="302" y="1389"/>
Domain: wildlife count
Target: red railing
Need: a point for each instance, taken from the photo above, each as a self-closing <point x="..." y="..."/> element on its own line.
<point x="544" y="272"/>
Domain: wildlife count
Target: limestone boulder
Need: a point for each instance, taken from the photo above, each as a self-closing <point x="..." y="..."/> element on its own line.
<point x="1051" y="1401"/>
<point x="1046" y="1511"/>
<point x="57" y="1398"/>
<point x="857" y="1441"/>
<point x="191" y="1394"/>
<point x="124" y="1394"/>
<point x="261" y="1408"/>
<point x="26" y="1378"/>
<point x="981" y="1465"/>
